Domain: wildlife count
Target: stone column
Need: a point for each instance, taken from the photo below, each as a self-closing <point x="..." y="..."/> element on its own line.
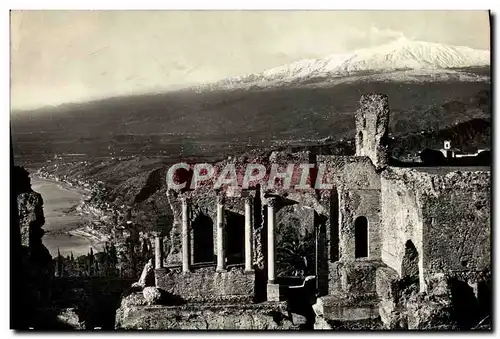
<point x="271" y="255"/>
<point x="185" y="236"/>
<point x="221" y="263"/>
<point x="273" y="289"/>
<point x="158" y="251"/>
<point x="248" y="234"/>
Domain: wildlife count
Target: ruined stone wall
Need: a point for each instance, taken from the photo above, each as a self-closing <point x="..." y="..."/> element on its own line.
<point x="205" y="284"/>
<point x="402" y="220"/>
<point x="31" y="218"/>
<point x="358" y="187"/>
<point x="457" y="231"/>
<point x="36" y="269"/>
<point x="446" y="216"/>
<point x="352" y="190"/>
<point x="350" y="171"/>
<point x="372" y="123"/>
<point x="133" y="314"/>
<point x="201" y="202"/>
<point x="354" y="204"/>
<point x="174" y="255"/>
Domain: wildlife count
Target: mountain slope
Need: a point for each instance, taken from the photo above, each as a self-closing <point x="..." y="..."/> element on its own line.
<point x="391" y="60"/>
<point x="214" y="124"/>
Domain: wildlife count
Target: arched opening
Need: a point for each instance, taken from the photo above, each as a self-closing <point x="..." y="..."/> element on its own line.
<point x="360" y="138"/>
<point x="361" y="237"/>
<point x="235" y="238"/>
<point x="203" y="239"/>
<point x="409" y="265"/>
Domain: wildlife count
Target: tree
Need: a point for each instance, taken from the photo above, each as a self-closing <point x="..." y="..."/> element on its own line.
<point x="432" y="157"/>
<point x="91" y="271"/>
<point x="295" y="255"/>
<point x="59" y="264"/>
<point x="98" y="195"/>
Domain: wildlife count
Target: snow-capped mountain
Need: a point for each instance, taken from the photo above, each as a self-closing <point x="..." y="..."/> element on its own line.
<point x="400" y="60"/>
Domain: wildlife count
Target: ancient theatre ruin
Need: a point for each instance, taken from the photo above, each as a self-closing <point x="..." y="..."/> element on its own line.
<point x="378" y="229"/>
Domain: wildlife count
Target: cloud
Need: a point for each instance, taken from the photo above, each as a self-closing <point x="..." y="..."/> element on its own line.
<point x="373" y="36"/>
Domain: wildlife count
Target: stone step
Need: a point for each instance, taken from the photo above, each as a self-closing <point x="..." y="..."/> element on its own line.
<point x="344" y="307"/>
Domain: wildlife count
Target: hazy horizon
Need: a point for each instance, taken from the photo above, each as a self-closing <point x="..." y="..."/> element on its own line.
<point x="75" y="56"/>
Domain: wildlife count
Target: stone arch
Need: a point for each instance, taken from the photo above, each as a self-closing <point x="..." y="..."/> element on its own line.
<point x="202" y="239"/>
<point x="409" y="264"/>
<point x="361" y="237"/>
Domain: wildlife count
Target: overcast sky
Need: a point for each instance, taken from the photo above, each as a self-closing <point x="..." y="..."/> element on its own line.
<point x="66" y="56"/>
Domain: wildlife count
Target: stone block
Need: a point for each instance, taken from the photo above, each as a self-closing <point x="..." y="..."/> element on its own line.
<point x="274" y="292"/>
<point x="318" y="307"/>
<point x="344" y="308"/>
<point x="70" y="318"/>
<point x="205" y="284"/>
<point x="430" y="314"/>
<point x="386" y="284"/>
<point x="262" y="316"/>
<point x="147" y="277"/>
<point x="298" y="319"/>
<point x="437" y="285"/>
<point x="358" y="277"/>
<point x="321" y="324"/>
<point x="152" y="295"/>
<point x="387" y="312"/>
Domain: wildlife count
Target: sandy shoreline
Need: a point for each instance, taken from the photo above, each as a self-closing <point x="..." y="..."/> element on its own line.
<point x="63" y="186"/>
<point x="67" y="228"/>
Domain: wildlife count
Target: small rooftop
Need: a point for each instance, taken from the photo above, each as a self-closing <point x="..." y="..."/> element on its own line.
<point x="440" y="170"/>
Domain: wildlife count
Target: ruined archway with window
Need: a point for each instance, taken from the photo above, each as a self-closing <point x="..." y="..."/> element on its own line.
<point x="361" y="237"/>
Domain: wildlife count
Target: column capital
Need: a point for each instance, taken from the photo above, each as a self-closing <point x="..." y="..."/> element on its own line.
<point x="273" y="202"/>
<point x="248" y="199"/>
<point x="157" y="234"/>
<point x="220" y="199"/>
<point x="184" y="200"/>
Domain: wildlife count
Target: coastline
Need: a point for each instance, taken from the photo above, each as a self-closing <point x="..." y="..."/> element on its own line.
<point x="67" y="225"/>
<point x="63" y="185"/>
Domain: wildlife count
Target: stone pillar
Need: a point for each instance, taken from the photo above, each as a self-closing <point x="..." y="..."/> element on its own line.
<point x="372" y="127"/>
<point x="271" y="255"/>
<point x="273" y="289"/>
<point x="158" y="251"/>
<point x="221" y="262"/>
<point x="248" y="234"/>
<point x="185" y="236"/>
